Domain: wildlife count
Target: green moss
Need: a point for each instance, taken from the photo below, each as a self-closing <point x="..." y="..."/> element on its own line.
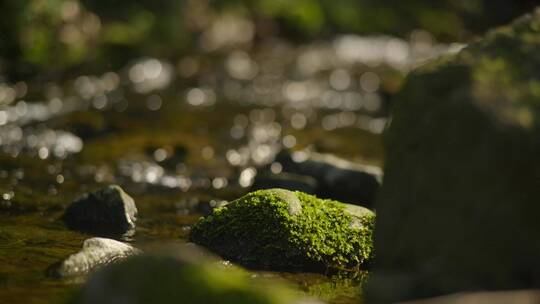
<point x="265" y="229"/>
<point x="179" y="281"/>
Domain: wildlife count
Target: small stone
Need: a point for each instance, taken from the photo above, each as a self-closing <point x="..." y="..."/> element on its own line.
<point x="109" y="211"/>
<point x="95" y="253"/>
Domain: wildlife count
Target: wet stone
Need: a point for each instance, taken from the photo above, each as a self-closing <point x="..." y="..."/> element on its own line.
<point x="108" y="211"/>
<point x="336" y="178"/>
<point x="284" y="180"/>
<point x="95" y="253"/>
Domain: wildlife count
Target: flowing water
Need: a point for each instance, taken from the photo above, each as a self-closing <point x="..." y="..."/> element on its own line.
<point x="181" y="138"/>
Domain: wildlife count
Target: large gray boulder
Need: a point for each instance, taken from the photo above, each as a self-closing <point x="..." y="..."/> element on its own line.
<point x="459" y="206"/>
<point x="108" y="211"/>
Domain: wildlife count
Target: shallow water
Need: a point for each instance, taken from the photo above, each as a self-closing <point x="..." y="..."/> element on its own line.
<point x="181" y="139"/>
<point x="32" y="238"/>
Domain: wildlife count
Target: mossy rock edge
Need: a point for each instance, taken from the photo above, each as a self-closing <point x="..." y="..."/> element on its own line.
<point x="169" y="279"/>
<point x="277" y="229"/>
<point x="458" y="209"/>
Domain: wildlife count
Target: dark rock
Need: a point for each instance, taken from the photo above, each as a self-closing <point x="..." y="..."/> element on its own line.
<point x="336" y="178"/>
<point x="109" y="211"/>
<point x="279" y="229"/>
<point x="181" y="278"/>
<point x="95" y="253"/>
<point x="460" y="201"/>
<point x="284" y="180"/>
<point x="485" y="297"/>
<point x="85" y="124"/>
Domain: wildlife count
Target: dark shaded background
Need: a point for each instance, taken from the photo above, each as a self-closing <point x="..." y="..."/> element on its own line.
<point x="55" y="38"/>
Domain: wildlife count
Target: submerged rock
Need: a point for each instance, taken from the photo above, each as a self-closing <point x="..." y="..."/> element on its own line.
<point x="181" y="278"/>
<point x="283" y="230"/>
<point x="485" y="297"/>
<point x="460" y="202"/>
<point x="95" y="253"/>
<point x="336" y="178"/>
<point x="284" y="180"/>
<point x="104" y="212"/>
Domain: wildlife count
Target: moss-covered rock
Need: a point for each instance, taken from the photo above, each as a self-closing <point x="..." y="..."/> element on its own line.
<point x="460" y="201"/>
<point x="181" y="279"/>
<point x="283" y="230"/>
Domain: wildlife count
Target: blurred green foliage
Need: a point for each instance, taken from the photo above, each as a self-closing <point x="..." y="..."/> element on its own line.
<point x="446" y="19"/>
<point x="51" y="37"/>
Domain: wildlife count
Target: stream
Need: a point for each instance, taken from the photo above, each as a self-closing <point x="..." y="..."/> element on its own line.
<point x="181" y="138"/>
